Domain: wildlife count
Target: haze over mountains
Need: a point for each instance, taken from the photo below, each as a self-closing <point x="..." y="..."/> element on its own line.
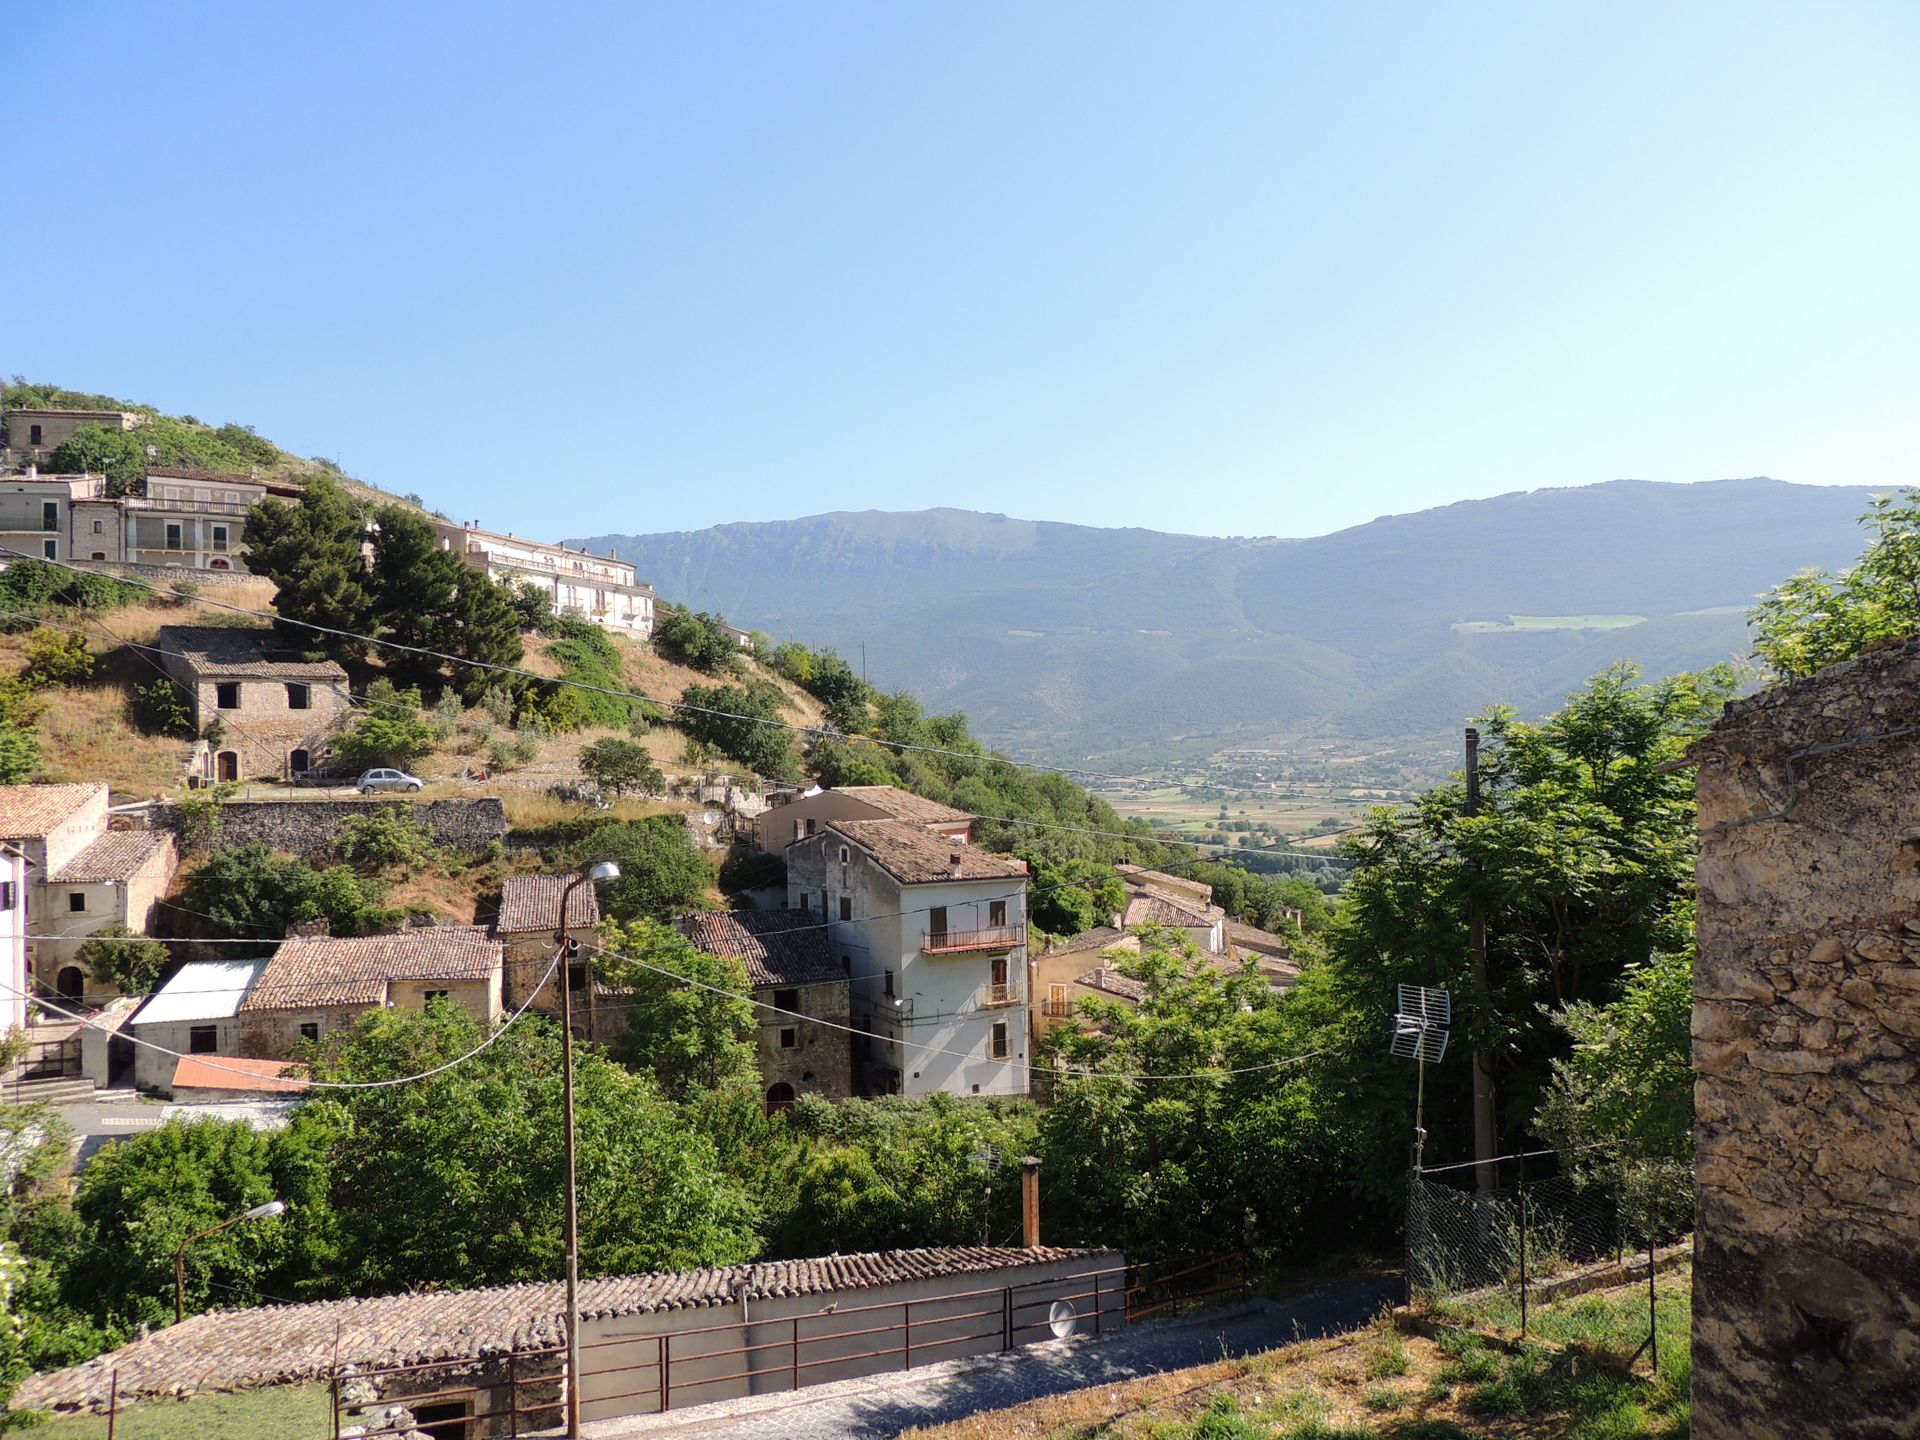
<point x="1128" y="647"/>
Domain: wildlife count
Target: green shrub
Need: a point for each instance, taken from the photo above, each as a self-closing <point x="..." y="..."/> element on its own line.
<point x="386" y="839"/>
<point x="160" y="709"/>
<point x="57" y="657"/>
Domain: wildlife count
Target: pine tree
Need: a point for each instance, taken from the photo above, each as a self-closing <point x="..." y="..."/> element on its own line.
<point x="311" y="551"/>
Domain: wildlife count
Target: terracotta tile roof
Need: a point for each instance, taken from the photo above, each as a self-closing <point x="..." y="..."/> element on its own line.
<point x="1100" y="937"/>
<point x="1158" y="910"/>
<point x="116" y="855"/>
<point x="1254" y="938"/>
<point x="54" y="410"/>
<point x="229" y="1072"/>
<point x="898" y="804"/>
<point x="915" y="856"/>
<point x="780" y="947"/>
<point x="285" y="1344"/>
<point x="532" y="902"/>
<point x="28" y="812"/>
<point x="223" y="477"/>
<point x="312" y="971"/>
<point x="238" y="650"/>
<point x="1175" y="887"/>
<point x="1105" y="977"/>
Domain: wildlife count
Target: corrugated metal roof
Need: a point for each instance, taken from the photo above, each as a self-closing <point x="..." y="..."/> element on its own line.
<point x="201" y="990"/>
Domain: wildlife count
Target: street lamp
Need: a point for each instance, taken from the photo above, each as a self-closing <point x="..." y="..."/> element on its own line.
<point x="258" y="1212"/>
<point x="605" y="870"/>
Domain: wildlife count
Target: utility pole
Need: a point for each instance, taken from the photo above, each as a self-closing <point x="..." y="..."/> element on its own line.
<point x="1484" y="1144"/>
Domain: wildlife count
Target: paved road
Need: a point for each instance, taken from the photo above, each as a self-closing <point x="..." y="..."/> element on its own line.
<point x="885" y="1405"/>
<point x="116" y="1114"/>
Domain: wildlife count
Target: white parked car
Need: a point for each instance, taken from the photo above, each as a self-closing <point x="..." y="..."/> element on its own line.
<point x="388" y="780"/>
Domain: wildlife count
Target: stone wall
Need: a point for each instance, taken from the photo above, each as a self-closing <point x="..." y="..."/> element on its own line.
<point x="312" y="827"/>
<point x="1806" y="1030"/>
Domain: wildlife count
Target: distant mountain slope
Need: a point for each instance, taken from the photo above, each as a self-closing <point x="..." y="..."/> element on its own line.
<point x="1070" y="643"/>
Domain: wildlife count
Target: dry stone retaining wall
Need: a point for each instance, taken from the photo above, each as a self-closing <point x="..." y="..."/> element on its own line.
<point x="312" y="827"/>
<point x="1806" y="1028"/>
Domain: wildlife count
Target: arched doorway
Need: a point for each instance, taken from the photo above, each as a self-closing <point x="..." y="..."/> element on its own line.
<point x="219" y="565"/>
<point x="226" y="766"/>
<point x="779" y="1098"/>
<point x="71" y="983"/>
<point x="298" y="763"/>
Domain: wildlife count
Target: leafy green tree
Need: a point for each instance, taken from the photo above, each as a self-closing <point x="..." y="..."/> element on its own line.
<point x="1818" y="619"/>
<point x="19" y="742"/>
<point x="534" y="605"/>
<point x="130" y="963"/>
<point x="430" y="598"/>
<point x="160" y="709"/>
<point x="249" y="893"/>
<point x="387" y="839"/>
<point x="57" y="657"/>
<point x="621" y="765"/>
<point x="393" y="730"/>
<point x="744" y="723"/>
<point x="835" y="763"/>
<point x="142" y="1196"/>
<point x="691" y="1027"/>
<point x="699" y="641"/>
<point x="1069" y="896"/>
<point x="311" y="551"/>
<point x="662" y="872"/>
<point x="118" y="454"/>
<point x="478" y="1150"/>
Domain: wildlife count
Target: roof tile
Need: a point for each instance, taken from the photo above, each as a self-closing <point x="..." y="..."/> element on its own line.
<point x="30" y="811"/>
<point x="117" y="855"/>
<point x="311" y="971"/>
<point x="898" y="804"/>
<point x="241" y="650"/>
<point x="914" y="856"/>
<point x="532" y="902"/>
<point x="780" y="947"/>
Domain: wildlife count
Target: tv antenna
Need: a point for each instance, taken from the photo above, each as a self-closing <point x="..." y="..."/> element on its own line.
<point x="1421" y="1025"/>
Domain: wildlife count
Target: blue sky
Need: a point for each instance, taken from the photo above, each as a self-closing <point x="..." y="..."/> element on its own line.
<point x="1260" y="269"/>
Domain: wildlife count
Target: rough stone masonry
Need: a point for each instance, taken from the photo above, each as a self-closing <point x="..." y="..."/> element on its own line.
<point x="1806" y="1033"/>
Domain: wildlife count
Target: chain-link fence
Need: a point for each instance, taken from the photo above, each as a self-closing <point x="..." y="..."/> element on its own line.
<point x="1537" y="1230"/>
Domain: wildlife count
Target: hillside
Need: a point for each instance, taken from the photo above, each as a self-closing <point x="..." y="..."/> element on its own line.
<point x="1127" y="647"/>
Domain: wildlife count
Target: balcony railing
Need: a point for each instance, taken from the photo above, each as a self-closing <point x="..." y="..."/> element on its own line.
<point x="187" y="507"/>
<point x="992" y="996"/>
<point x="1057" y="1009"/>
<point x="957" y="942"/>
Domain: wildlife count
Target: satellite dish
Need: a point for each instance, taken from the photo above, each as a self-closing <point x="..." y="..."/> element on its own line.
<point x="709" y="817"/>
<point x="1062" y="1320"/>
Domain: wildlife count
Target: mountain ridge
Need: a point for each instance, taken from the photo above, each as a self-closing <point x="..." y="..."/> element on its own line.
<point x="1074" y="643"/>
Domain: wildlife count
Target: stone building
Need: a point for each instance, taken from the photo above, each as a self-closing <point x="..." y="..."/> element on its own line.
<point x="528" y="919"/>
<point x="193" y="518"/>
<point x="260" y="707"/>
<point x="316" y="984"/>
<point x="933" y="934"/>
<point x="803" y="991"/>
<point x="1806" y="1026"/>
<point x="37" y="513"/>
<point x="36" y="432"/>
<point x="796" y="816"/>
<point x="596" y="587"/>
<point x="81" y="878"/>
<point x="197" y="1012"/>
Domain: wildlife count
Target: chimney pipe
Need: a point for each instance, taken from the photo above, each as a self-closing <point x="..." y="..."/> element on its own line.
<point x="1030" y="1201"/>
<point x="954" y="861"/>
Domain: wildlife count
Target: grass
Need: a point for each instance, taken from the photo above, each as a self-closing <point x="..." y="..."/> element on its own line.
<point x="289" y="1411"/>
<point x="1454" y="1372"/>
<point x="1548" y="622"/>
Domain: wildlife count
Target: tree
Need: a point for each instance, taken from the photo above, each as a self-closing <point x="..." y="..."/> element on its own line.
<point x="662" y="872"/>
<point x="1069" y="896"/>
<point x="1818" y="619"/>
<point x="160" y="709"/>
<point x="743" y="722"/>
<point x="311" y="551"/>
<point x="118" y="454"/>
<point x="130" y="963"/>
<point x="699" y="641"/>
<point x="249" y="893"/>
<point x="392" y="730"/>
<point x="19" y="743"/>
<point x="476" y="1152"/>
<point x="57" y="657"/>
<point x="430" y="598"/>
<point x="835" y="763"/>
<point x="691" y="1027"/>
<point x="621" y="765"/>
<point x="386" y="839"/>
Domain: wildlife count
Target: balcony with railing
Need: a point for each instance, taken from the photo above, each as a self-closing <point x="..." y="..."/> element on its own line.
<point x="1057" y="1009"/>
<point x="187" y="507"/>
<point x="963" y="942"/>
<point x="993" y="996"/>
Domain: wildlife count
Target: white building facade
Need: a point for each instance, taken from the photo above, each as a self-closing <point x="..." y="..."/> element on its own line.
<point x="594" y="587"/>
<point x="932" y="934"/>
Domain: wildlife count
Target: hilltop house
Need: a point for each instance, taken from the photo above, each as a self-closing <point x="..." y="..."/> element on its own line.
<point x="933" y="934"/>
<point x="194" y="518"/>
<point x="37" y="513"/>
<point x="80" y="877"/>
<point x="795" y="817"/>
<point x="315" y="984"/>
<point x="259" y="706"/>
<point x="595" y="587"/>
<point x="32" y="432"/>
<point x="804" y="1047"/>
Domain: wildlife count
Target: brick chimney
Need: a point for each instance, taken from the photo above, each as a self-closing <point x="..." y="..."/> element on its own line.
<point x="953" y="862"/>
<point x="1030" y="1201"/>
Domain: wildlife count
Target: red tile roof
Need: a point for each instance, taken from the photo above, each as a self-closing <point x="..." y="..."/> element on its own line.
<point x="117" y="855"/>
<point x="28" y="812"/>
<point x="780" y="947"/>
<point x="898" y="804"/>
<point x="915" y="856"/>
<point x="532" y="902"/>
<point x="309" y="972"/>
<point x="231" y="1072"/>
<point x="286" y="1344"/>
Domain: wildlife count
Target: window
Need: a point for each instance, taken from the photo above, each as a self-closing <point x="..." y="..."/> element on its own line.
<point x="219" y="537"/>
<point x="887" y="988"/>
<point x="803" y="904"/>
<point x="810" y="826"/>
<point x="997" y="1047"/>
<point x="790" y="1039"/>
<point x="937" y="920"/>
<point x="845" y="855"/>
<point x="50" y="549"/>
<point x="433" y="995"/>
<point x="1058" y="1006"/>
<point x="310" y="1030"/>
<point x="49" y="514"/>
<point x="99" y="527"/>
<point x="203" y="1040"/>
<point x="997" y="913"/>
<point x="846" y="907"/>
<point x="7" y="900"/>
<point x="33" y="434"/>
<point x="226" y="695"/>
<point x="299" y="697"/>
<point x="788" y="1000"/>
<point x="99" y="554"/>
<point x="173" y="535"/>
<point x="77" y="901"/>
<point x="576" y="976"/>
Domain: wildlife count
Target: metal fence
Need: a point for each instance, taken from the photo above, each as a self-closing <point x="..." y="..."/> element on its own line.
<point x="1538" y="1230"/>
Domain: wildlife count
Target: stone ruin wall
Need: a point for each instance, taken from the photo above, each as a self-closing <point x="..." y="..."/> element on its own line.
<point x="1806" y="1027"/>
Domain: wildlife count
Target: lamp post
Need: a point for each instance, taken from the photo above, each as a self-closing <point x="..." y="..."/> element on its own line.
<point x="605" y="870"/>
<point x="258" y="1212"/>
